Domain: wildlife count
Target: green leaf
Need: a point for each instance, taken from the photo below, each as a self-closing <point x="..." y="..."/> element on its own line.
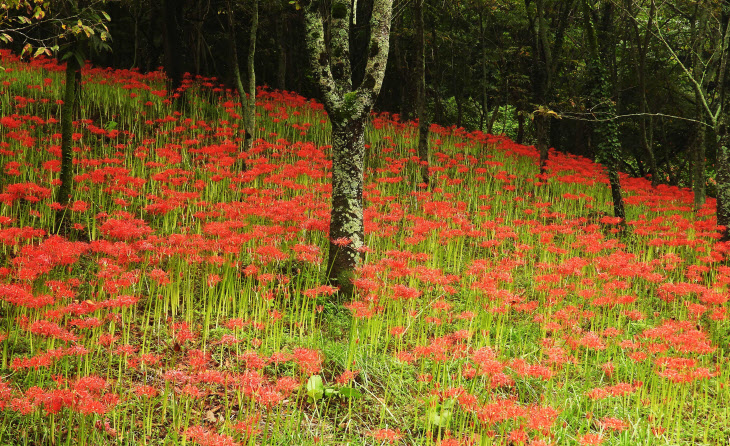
<point x="330" y="391"/>
<point x="315" y="387"/>
<point x="39" y="51"/>
<point x="350" y="392"/>
<point x="440" y="419"/>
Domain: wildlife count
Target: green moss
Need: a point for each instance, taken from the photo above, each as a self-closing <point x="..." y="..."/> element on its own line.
<point x="349" y="107"/>
<point x="374" y="49"/>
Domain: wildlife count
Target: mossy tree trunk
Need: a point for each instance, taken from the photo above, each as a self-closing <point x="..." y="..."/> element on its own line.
<point x="70" y="97"/>
<point x="721" y="131"/>
<point x="348" y="109"/>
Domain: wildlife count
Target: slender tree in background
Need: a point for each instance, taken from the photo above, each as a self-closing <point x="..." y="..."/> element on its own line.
<point x="708" y="78"/>
<point x="641" y="48"/>
<point x="248" y="98"/>
<point x="601" y="42"/>
<point x="83" y="29"/>
<point x="67" y="113"/>
<point x="423" y="123"/>
<point x="281" y="33"/>
<point x="720" y="123"/>
<point x="698" y="31"/>
<point x="172" y="42"/>
<point x="547" y="59"/>
<point x="348" y="109"/>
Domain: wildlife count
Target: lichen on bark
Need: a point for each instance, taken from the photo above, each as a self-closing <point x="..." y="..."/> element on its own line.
<point x="348" y="111"/>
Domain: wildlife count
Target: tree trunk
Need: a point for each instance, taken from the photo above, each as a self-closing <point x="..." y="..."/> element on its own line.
<point x="136" y="38"/>
<point x="723" y="181"/>
<point x="646" y="123"/>
<point x="699" y="182"/>
<point x="607" y="130"/>
<point x="436" y="74"/>
<point x="67" y="111"/>
<point x="698" y="166"/>
<point x="248" y="102"/>
<point x="483" y="38"/>
<point x="171" y="42"/>
<point x="423" y="124"/>
<point x="493" y="117"/>
<point x="348" y="111"/>
<point x="347" y="234"/>
<point x="249" y="117"/>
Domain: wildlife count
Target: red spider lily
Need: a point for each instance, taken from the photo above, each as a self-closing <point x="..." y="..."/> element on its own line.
<point x="590" y="440"/>
<point x="181" y="332"/>
<point x="204" y="437"/>
<point x="30" y="192"/>
<point x="614" y="424"/>
<point x="248" y="426"/>
<point x="385" y="434"/>
<point x="309" y="361"/>
<point x="125" y="229"/>
<point x="146" y="391"/>
<point x="619" y="389"/>
<point x="346" y="376"/>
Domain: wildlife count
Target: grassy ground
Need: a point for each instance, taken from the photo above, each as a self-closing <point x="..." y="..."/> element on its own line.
<point x="186" y="306"/>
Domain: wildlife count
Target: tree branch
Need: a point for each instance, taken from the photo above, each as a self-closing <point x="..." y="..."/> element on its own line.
<point x="377" y="53"/>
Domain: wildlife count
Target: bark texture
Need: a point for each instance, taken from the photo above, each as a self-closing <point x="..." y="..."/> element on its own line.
<point x="348" y="109"/>
<point x="723" y="182"/>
